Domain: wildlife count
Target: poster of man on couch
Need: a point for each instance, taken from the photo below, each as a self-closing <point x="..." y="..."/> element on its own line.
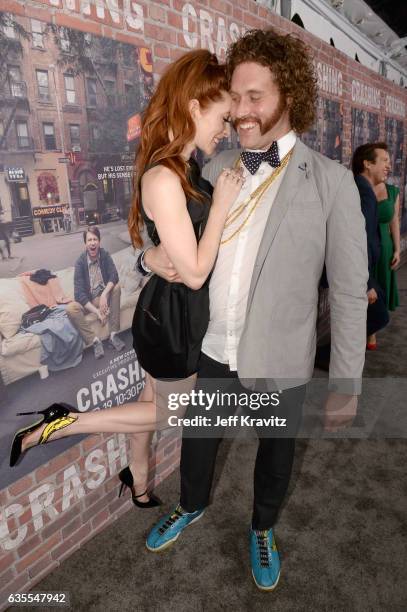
<point x="63" y="330"/>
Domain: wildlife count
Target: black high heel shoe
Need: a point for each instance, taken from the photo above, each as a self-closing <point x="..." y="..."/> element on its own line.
<point x="55" y="417"/>
<point x="126" y="478"/>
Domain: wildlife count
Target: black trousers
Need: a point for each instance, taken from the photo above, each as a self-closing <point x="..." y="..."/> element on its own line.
<point x="274" y="455"/>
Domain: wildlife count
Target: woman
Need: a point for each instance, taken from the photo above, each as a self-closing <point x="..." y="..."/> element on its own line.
<point x="389" y="224"/>
<point x="189" y="109"/>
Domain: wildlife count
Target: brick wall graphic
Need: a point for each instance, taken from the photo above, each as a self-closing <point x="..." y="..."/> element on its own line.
<point x="66" y="498"/>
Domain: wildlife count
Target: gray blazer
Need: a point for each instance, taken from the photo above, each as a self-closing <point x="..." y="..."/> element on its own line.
<point x="316" y="217"/>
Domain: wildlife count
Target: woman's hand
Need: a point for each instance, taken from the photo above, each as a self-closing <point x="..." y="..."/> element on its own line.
<point x="157" y="260"/>
<point x="227" y="188"/>
<point x="372" y="296"/>
<point x="395" y="261"/>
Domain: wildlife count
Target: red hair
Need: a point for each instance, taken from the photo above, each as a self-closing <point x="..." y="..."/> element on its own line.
<point x="195" y="75"/>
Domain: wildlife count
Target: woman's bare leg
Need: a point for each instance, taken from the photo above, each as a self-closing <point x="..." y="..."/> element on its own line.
<point x="139" y="462"/>
<point x="134" y="417"/>
<point x="140" y="448"/>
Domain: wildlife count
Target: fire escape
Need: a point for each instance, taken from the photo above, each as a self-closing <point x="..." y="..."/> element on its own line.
<point x="14" y="104"/>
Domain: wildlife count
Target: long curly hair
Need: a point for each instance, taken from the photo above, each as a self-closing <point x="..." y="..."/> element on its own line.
<point x="167" y="124"/>
<point x="291" y="64"/>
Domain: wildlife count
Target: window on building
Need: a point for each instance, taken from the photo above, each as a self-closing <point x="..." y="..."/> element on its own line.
<point x="49" y="136"/>
<point x="8" y="26"/>
<point x="110" y="87"/>
<point x="75" y="135"/>
<point x="23" y="139"/>
<point x="129" y="91"/>
<point x="37" y="33"/>
<point x="70" y="88"/>
<point x="91" y="96"/>
<point x="43" y="84"/>
<point x="129" y="55"/>
<point x="15" y="82"/>
<point x="64" y="40"/>
<point x="48" y="188"/>
<point x="94" y="134"/>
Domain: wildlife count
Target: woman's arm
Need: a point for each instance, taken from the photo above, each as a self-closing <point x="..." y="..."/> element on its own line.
<point x="165" y="203"/>
<point x="395" y="234"/>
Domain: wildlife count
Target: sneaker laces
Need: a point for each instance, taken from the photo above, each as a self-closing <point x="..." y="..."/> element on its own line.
<point x="264" y="547"/>
<point x="173" y="518"/>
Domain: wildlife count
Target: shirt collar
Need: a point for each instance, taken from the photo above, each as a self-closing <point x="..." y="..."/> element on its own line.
<point x="92" y="261"/>
<point x="285" y="144"/>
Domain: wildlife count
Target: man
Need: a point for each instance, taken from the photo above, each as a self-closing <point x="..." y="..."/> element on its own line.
<point x="4" y="236"/>
<point x="96" y="290"/>
<point x="371" y="166"/>
<point x="264" y="287"/>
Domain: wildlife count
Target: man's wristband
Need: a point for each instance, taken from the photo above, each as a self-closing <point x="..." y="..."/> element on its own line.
<point x="140" y="265"/>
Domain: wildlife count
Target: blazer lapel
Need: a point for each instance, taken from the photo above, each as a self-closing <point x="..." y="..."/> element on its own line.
<point x="294" y="176"/>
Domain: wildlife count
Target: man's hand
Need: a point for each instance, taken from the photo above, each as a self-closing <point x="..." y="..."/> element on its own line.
<point x="103" y="304"/>
<point x="156" y="259"/>
<point x="340" y="411"/>
<point x="101" y="317"/>
<point x="395" y="261"/>
<point x="371" y="296"/>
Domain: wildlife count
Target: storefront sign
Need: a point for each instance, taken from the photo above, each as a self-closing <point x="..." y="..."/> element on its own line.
<point x="395" y="106"/>
<point x="16" y="174"/>
<point x="133" y="128"/>
<point x="329" y="78"/>
<point x="365" y="94"/>
<point x="49" y="212"/>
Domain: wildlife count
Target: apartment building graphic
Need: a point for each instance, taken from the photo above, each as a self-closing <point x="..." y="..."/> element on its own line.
<point x="70" y="105"/>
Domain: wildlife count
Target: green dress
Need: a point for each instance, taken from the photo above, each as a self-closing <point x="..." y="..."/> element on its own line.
<point x="383" y="273"/>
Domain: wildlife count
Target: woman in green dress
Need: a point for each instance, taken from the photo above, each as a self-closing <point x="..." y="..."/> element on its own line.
<point x="388" y="202"/>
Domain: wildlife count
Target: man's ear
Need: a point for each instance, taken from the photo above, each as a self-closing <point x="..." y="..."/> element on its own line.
<point x="194" y="108"/>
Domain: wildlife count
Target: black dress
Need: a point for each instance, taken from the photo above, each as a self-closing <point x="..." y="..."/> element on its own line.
<point x="171" y="319"/>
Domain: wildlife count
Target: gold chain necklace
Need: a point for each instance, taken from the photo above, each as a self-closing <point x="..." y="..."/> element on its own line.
<point x="254" y="197"/>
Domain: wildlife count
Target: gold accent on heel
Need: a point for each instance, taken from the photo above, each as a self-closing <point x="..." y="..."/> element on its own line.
<point x="55" y="426"/>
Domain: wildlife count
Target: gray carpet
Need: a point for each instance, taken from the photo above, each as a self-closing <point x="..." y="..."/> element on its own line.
<point x="342" y="534"/>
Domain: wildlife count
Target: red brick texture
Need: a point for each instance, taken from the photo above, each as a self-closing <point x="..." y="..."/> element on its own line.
<point x="47" y="515"/>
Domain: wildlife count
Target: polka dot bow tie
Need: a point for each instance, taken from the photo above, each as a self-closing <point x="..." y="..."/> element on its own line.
<point x="253" y="159"/>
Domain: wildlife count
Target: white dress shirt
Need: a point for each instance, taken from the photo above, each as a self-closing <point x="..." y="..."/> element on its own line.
<point x="230" y="282"/>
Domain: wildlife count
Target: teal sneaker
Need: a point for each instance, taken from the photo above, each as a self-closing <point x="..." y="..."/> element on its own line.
<point x="264" y="558"/>
<point x="169" y="528"/>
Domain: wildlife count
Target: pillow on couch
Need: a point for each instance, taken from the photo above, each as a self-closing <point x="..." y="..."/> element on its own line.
<point x="12" y="306"/>
<point x="65" y="277"/>
<point x="129" y="278"/>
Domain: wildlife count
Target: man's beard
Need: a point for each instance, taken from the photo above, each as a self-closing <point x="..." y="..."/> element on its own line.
<point x="267" y="124"/>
